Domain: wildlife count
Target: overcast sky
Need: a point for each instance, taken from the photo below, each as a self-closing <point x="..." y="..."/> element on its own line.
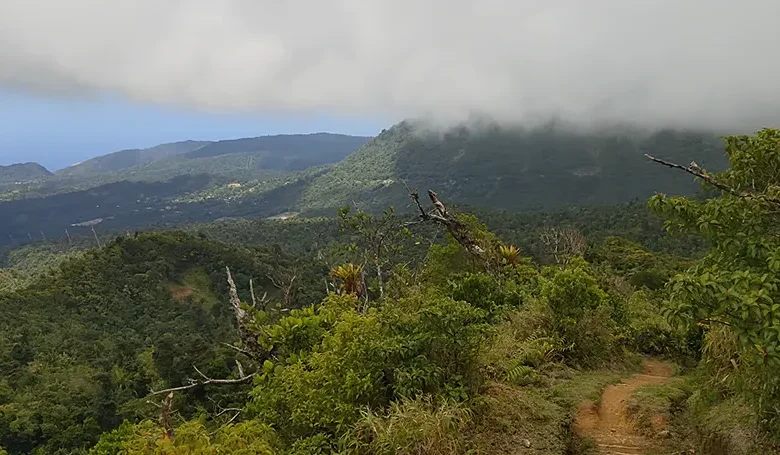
<point x="681" y="63"/>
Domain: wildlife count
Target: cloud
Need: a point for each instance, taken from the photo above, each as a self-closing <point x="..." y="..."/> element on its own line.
<point x="652" y="62"/>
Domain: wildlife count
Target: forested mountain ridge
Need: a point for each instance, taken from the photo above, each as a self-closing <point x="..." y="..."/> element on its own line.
<point x="22" y="172"/>
<point x="236" y="160"/>
<point x="293" y="152"/>
<point x="124" y="159"/>
<point x="514" y="168"/>
<point x="285" y="152"/>
<point x="494" y="167"/>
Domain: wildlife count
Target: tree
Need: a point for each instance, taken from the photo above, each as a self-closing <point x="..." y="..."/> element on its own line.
<point x="563" y="243"/>
<point x="737" y="285"/>
<point x="377" y="241"/>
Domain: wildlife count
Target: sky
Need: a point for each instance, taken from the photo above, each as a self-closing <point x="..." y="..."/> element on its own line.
<point x="58" y="132"/>
<point x="87" y="75"/>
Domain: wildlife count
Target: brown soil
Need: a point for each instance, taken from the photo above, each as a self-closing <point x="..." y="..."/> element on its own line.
<point x="180" y="293"/>
<point x="607" y="424"/>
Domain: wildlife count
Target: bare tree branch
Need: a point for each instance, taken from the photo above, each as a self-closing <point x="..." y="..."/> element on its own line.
<point x="563" y="243"/>
<point x="223" y="411"/>
<point x="241" y="315"/>
<point x="232" y="419"/>
<point x="252" y="293"/>
<point x="243" y="320"/>
<point x="696" y="171"/>
<point x="237" y="349"/>
<point x="454" y="226"/>
<point x="288" y="291"/>
<point x="206" y="381"/>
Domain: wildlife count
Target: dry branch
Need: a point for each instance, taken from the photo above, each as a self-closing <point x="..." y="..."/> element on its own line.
<point x="288" y="290"/>
<point x="222" y="411"/>
<point x="456" y="228"/>
<point x="204" y="381"/>
<point x="165" y="416"/>
<point x="252" y="293"/>
<point x="696" y="171"/>
<point x="563" y="243"/>
<point x="252" y="348"/>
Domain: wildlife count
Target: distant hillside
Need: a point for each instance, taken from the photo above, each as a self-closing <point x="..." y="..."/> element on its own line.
<point x="494" y="168"/>
<point x="514" y="169"/>
<point x="137" y="204"/>
<point x="281" y="152"/>
<point x="236" y="160"/>
<point x="124" y="159"/>
<point x="22" y="172"/>
<point x="287" y="152"/>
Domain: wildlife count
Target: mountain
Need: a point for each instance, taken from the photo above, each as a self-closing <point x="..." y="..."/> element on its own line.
<point x="22" y="173"/>
<point x="124" y="159"/>
<point x="280" y="152"/>
<point x="514" y="169"/>
<point x="493" y="167"/>
<point x="258" y="159"/>
<point x="287" y="152"/>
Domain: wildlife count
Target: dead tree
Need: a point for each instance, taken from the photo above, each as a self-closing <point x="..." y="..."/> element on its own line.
<point x="563" y="243"/>
<point x="263" y="300"/>
<point x="97" y="240"/>
<point x="243" y="320"/>
<point x="165" y="416"/>
<point x="223" y="410"/>
<point x="457" y="229"/>
<point x="251" y="348"/>
<point x="205" y="380"/>
<point x="286" y="285"/>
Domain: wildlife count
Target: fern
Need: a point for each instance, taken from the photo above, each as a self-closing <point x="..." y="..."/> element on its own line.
<point x="521" y="374"/>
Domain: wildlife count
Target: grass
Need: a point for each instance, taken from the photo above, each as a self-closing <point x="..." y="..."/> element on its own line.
<point x="196" y="285"/>
<point x="538" y="419"/>
<point x="651" y="407"/>
<point x="728" y="427"/>
<point x="415" y="427"/>
<point x="683" y="414"/>
<point x="529" y="404"/>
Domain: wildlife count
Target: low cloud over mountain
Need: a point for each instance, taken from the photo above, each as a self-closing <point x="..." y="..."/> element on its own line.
<point x="662" y="62"/>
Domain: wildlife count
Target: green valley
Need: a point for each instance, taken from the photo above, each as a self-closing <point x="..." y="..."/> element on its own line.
<point x="465" y="320"/>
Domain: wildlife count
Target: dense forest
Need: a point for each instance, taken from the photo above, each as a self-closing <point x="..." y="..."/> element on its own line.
<point x="514" y="168"/>
<point x="542" y="169"/>
<point x="433" y="328"/>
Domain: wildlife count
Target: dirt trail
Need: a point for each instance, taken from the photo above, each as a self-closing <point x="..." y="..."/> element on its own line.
<point x="607" y="424"/>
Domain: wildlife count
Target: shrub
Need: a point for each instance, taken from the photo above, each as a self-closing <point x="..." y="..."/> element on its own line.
<point x="423" y="344"/>
<point x="485" y="292"/>
<point x="646" y="330"/>
<point x="191" y="438"/>
<point x="523" y="338"/>
<point x="412" y="427"/>
<point x="581" y="314"/>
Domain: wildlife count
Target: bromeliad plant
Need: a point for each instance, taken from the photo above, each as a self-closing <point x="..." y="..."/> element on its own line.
<point x="510" y="254"/>
<point x="351" y="277"/>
